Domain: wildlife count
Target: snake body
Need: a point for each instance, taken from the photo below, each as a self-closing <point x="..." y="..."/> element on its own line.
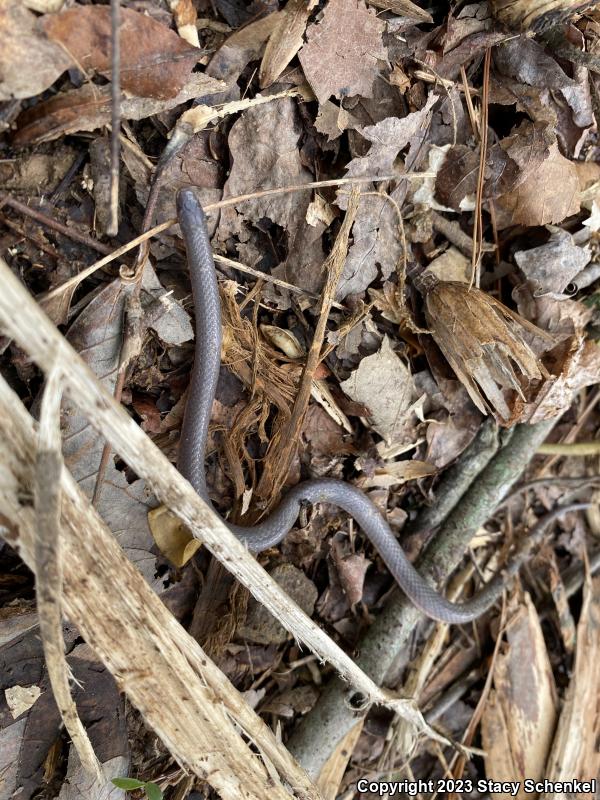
<point x="274" y="528"/>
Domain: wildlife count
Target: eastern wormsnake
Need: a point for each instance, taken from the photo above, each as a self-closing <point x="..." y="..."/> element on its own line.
<point x="271" y="531"/>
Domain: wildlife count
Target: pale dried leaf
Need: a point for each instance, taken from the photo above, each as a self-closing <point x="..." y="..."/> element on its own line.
<point x="384" y="385"/>
<point x="552" y="266"/>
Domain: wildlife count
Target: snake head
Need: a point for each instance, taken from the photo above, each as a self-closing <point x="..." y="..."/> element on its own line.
<point x="188" y="204"/>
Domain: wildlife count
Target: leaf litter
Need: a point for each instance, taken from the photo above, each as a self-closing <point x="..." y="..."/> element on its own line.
<point x="417" y="350"/>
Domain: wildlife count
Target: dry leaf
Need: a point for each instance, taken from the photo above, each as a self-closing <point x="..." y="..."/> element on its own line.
<point x="528" y="62"/>
<point x="260" y="626"/>
<point x="88" y="108"/>
<point x="29" y="63"/>
<point x="241" y="48"/>
<point x="548" y="195"/>
<point x="388" y="138"/>
<point x="552" y="266"/>
<point x="384" y="385"/>
<point x="285" y="41"/>
<point x="519" y="718"/>
<point x="342" y="52"/>
<point x="155" y="61"/>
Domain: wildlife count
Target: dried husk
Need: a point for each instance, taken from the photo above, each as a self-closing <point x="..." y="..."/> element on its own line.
<point x="536" y="15"/>
<point x="484" y="343"/>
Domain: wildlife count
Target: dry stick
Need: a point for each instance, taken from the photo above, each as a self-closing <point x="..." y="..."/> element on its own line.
<point x="49" y="569"/>
<point x="115" y="115"/>
<point x="230" y="201"/>
<point x="180" y="692"/>
<point x="262" y="276"/>
<point x="71" y="233"/>
<point x="575" y="449"/>
<point x="22" y="319"/>
<point x="278" y="464"/>
<point x="478" y="217"/>
<point x="330" y="720"/>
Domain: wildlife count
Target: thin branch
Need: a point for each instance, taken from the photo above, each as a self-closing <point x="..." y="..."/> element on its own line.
<point x="115" y="115"/>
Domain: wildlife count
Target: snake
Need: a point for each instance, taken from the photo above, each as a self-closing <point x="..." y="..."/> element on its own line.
<point x="272" y="530"/>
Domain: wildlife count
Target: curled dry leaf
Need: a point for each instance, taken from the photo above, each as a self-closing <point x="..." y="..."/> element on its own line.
<point x="483" y="341"/>
<point x="88" y="108"/>
<point x="341" y="55"/>
<point x="285" y="41"/>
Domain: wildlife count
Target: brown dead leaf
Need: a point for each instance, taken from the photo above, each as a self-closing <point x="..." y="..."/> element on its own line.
<point x="260" y="626"/>
<point x="342" y="53"/>
<point x="332" y="120"/>
<point x="351" y="568"/>
<point x="285" y="41"/>
<point x="97" y="335"/>
<point x="519" y="718"/>
<point x="548" y="195"/>
<point x="526" y="61"/>
<point x="88" y="108"/>
<point x="377" y="244"/>
<point x="155" y="61"/>
<point x="240" y="48"/>
<point x="298" y="700"/>
<point x="509" y="163"/>
<point x="29" y="63"/>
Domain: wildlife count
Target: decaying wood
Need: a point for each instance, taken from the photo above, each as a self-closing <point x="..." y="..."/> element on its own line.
<point x="48" y="568"/>
<point x="575" y="752"/>
<point x="182" y="695"/>
<point x="22" y="319"/>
